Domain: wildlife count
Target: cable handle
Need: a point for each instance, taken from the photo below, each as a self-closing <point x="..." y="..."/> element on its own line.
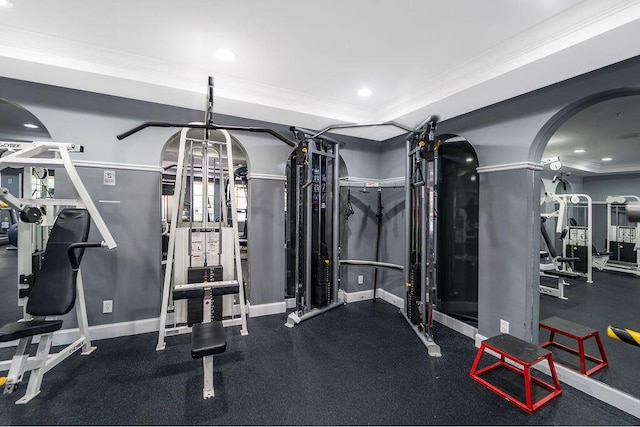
<point x="73" y="259"/>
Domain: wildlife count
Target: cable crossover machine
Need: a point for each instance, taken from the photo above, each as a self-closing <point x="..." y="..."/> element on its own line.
<point x="313" y="249"/>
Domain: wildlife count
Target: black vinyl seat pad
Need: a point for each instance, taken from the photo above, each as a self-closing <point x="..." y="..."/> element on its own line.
<point x="207" y="339"/>
<point x="17" y="330"/>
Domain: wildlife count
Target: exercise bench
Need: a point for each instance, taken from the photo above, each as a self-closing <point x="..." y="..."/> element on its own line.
<point x="208" y="337"/>
<point x="560" y="275"/>
<point x="517" y="356"/>
<point x="580" y="333"/>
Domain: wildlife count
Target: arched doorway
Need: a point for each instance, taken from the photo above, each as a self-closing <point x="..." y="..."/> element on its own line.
<point x="18" y="125"/>
<point x="192" y="210"/>
<point x="594" y="145"/>
<point x="458" y="193"/>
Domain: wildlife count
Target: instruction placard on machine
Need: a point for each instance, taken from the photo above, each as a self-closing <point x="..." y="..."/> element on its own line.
<point x="202" y="240"/>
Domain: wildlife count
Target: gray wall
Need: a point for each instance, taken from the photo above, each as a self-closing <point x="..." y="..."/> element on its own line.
<point x="392" y="245"/>
<point x="10" y="179"/>
<point x="358" y="238"/>
<point x="266" y="241"/>
<point x="599" y="187"/>
<point x="129" y="275"/>
<point x="507" y="275"/>
<point x="512" y="133"/>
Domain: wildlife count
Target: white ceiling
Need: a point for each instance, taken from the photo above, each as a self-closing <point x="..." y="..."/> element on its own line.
<point x="608" y="129"/>
<point x="301" y="62"/>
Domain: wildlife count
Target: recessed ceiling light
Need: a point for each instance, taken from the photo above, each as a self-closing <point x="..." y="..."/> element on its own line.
<point x="606" y="159"/>
<point x="6" y="4"/>
<point x="225" y="55"/>
<point x="364" y="92"/>
<point x="29" y="125"/>
<point x="580" y="150"/>
<point x="469" y="159"/>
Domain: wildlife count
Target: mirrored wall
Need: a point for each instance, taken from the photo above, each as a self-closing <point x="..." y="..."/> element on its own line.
<point x="590" y="270"/>
<point x="17" y="125"/>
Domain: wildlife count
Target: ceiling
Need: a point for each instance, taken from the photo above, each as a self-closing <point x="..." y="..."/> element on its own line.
<point x="13" y="119"/>
<point x="301" y="62"/>
<point x="608" y="129"/>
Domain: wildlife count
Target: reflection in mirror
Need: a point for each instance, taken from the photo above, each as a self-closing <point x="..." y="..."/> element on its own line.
<point x="17" y="125"/>
<point x="458" y="201"/>
<point x="194" y="207"/>
<point x="600" y="154"/>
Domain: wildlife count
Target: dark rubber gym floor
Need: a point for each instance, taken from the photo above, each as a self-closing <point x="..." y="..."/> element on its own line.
<point x="356" y="365"/>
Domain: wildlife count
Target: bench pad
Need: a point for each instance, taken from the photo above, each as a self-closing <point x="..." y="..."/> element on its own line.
<point x="207" y="339"/>
<point x="17" y="330"/>
<point x="561" y="273"/>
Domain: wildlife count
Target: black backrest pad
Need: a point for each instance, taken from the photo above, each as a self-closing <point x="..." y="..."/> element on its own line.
<point x="54" y="292"/>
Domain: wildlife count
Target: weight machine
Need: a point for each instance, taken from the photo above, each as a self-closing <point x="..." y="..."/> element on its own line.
<point x="556" y="266"/>
<point x="204" y="281"/>
<point x="578" y="239"/>
<point x="313" y="226"/>
<point x="60" y="286"/>
<point x="204" y="254"/>
<point x="421" y="201"/>
<point x="36" y="215"/>
<point x="622" y="236"/>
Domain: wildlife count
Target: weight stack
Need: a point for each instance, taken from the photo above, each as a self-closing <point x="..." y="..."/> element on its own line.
<point x="321" y="283"/>
<point x="413" y="295"/>
<point x="194" y="305"/>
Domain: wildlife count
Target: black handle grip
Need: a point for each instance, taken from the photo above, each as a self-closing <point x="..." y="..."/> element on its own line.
<point x="210" y="127"/>
<point x="142" y="126"/>
<point x="75" y="264"/>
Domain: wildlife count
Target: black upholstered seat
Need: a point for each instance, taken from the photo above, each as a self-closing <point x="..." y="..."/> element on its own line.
<point x="207" y="339"/>
<point x="17" y="330"/>
<point x="54" y="291"/>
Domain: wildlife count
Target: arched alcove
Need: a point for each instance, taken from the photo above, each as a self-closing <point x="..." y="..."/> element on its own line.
<point x="17" y="124"/>
<point x="458" y="197"/>
<point x="594" y="145"/>
<point x="194" y="187"/>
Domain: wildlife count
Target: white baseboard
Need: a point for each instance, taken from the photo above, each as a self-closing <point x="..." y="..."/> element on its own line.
<point x="112" y="330"/>
<point x="478" y="339"/>
<point x="290" y="302"/>
<point x="390" y="298"/>
<point x="267" y="309"/>
<point x="349" y="297"/>
<point x="100" y="332"/>
<point x="455" y="324"/>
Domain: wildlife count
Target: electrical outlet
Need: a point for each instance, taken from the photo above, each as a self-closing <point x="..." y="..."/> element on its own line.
<point x="504" y="326"/>
<point x="107" y="306"/>
<point x="360" y="279"/>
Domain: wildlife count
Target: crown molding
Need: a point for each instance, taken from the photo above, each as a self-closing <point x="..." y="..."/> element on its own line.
<point x="586" y="22"/>
<point x="504" y="71"/>
<point x="35" y="48"/>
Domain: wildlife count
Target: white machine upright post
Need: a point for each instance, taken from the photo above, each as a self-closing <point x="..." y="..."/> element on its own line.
<point x="168" y="274"/>
<point x="236" y="234"/>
